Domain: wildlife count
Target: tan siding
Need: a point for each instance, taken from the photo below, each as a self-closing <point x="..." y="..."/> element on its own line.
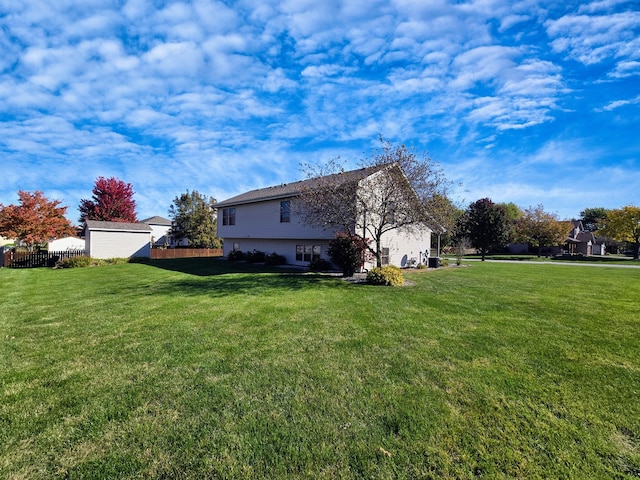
<point x="262" y="220"/>
<point x="405" y="245"/>
<point x="286" y="247"/>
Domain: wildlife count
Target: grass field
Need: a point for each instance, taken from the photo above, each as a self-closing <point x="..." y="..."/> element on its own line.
<point x="205" y="369"/>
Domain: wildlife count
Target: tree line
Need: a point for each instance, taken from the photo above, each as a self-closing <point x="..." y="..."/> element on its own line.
<point x="488" y="226"/>
<point x="413" y="192"/>
<point x="35" y="220"/>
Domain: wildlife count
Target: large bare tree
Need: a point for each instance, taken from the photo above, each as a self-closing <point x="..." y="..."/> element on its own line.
<point x="395" y="189"/>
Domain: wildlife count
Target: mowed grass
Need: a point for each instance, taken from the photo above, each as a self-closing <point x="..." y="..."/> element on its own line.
<point x="205" y="369"/>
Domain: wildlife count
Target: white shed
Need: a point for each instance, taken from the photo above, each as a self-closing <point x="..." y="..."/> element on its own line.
<point x="117" y="239"/>
<point x="66" y="244"/>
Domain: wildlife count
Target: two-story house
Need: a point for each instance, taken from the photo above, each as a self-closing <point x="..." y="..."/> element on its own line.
<point x="583" y="242"/>
<point x="269" y="220"/>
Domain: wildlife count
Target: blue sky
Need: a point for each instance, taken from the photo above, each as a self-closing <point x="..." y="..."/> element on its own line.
<point x="531" y="102"/>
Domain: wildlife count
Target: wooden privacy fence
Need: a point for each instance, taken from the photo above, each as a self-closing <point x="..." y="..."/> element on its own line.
<point x="19" y="259"/>
<point x="165" y="253"/>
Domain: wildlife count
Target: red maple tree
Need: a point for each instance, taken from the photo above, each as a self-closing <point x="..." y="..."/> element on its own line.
<point x="35" y="220"/>
<point x="112" y="201"/>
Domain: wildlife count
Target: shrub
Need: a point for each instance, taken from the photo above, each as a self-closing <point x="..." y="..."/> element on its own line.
<point x="235" y="255"/>
<point x="320" y="265"/>
<point x="388" y="275"/>
<point x="275" y="259"/>
<point x="117" y="261"/>
<point x="255" y="256"/>
<point x="347" y="252"/>
<point x="74" y="262"/>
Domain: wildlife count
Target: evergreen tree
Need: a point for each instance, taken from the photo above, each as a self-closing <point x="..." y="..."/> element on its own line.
<point x="194" y="218"/>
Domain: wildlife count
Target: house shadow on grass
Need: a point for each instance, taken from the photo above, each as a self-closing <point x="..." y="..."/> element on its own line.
<point x="208" y="266"/>
<point x="219" y="277"/>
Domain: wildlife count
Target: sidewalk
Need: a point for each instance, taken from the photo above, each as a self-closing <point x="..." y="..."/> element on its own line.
<point x="572" y="264"/>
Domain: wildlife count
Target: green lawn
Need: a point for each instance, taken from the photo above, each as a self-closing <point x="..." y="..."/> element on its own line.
<point x="204" y="369"/>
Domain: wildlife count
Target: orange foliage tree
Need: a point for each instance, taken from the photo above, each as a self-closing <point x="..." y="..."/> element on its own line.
<point x="35" y="220"/>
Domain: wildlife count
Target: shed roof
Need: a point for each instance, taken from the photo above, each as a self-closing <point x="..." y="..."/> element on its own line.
<point x="117" y="226"/>
<point x="156" y="220"/>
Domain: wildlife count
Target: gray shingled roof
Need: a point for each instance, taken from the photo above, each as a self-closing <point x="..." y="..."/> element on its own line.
<point x="100" y="225"/>
<point x="156" y="220"/>
<point x="288" y="190"/>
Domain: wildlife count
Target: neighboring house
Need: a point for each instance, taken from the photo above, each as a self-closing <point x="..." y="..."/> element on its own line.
<point x="66" y="244"/>
<point x="160" y="228"/>
<point x="264" y="220"/>
<point x="117" y="239"/>
<point x="583" y="242"/>
<point x="6" y="241"/>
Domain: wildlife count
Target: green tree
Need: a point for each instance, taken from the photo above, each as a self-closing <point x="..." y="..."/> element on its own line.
<point x="514" y="212"/>
<point x="593" y="219"/>
<point x="35" y="220"/>
<point x="194" y="218"/>
<point x="541" y="229"/>
<point x="486" y="225"/>
<point x="624" y="224"/>
<point x="445" y="214"/>
<point x="403" y="191"/>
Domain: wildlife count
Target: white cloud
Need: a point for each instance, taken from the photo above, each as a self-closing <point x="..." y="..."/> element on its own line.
<point x="593" y="39"/>
<point x="482" y="64"/>
<point x="602" y="5"/>
<point x="161" y="94"/>
<point x="510" y="21"/>
<point x="619" y="103"/>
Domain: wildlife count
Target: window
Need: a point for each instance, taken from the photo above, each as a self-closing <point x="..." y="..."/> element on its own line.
<point x="285" y="211"/>
<point x="228" y="216"/>
<point x="305" y="253"/>
<point x="384" y="256"/>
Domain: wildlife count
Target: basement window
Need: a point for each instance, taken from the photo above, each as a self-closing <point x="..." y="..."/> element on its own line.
<point x="306" y="253"/>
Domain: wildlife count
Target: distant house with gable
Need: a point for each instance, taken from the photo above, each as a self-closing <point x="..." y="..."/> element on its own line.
<point x="583" y="242"/>
<point x="265" y="220"/>
<point x="160" y="228"/>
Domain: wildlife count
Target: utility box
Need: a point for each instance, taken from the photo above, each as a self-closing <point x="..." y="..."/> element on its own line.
<point x="434" y="262"/>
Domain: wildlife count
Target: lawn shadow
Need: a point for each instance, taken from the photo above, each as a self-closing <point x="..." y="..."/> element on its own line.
<point x="219" y="277"/>
<point x="208" y="266"/>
